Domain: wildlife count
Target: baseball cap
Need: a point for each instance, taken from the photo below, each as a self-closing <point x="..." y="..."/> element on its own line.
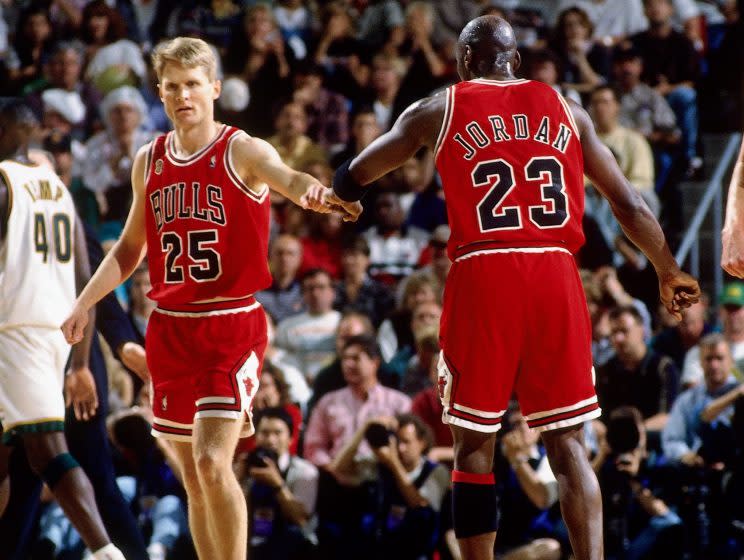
<point x="733" y="294"/>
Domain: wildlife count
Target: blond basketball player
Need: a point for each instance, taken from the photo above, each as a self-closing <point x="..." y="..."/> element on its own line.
<point x="42" y="254"/>
<point x="201" y="211"/>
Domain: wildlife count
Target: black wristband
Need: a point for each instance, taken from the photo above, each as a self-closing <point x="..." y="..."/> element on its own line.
<point x="344" y="185"/>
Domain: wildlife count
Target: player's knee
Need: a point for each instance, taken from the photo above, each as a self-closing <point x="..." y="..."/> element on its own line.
<point x="474" y="504"/>
<point x="55" y="469"/>
<point x="212" y="467"/>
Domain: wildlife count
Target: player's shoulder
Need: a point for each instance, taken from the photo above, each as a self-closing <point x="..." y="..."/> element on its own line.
<point x="247" y="147"/>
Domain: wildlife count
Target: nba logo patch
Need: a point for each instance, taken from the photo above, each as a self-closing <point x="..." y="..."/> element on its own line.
<point x="158" y="167"/>
<point x="213" y="161"/>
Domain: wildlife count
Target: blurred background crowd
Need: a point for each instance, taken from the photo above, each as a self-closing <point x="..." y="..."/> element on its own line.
<point x="350" y="458"/>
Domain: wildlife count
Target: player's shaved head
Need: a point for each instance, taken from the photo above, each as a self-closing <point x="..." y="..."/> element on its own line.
<point x="17" y="124"/>
<point x="487" y="48"/>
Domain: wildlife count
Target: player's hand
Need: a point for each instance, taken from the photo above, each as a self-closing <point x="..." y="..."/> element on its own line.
<point x="133" y="356"/>
<point x="74" y="325"/>
<point x="80" y="392"/>
<point x="349" y="210"/>
<point x="268" y="475"/>
<point x="678" y="290"/>
<point x="314" y="198"/>
<point x="732" y="259"/>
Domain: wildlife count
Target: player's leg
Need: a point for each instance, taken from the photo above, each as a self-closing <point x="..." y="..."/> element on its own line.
<point x="199" y="524"/>
<point x="474" y="501"/>
<point x="215" y="440"/>
<point x="4" y="481"/>
<point x="49" y="458"/>
<point x="578" y="490"/>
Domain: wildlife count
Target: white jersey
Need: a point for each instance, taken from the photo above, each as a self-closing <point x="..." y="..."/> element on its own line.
<point x="37" y="260"/>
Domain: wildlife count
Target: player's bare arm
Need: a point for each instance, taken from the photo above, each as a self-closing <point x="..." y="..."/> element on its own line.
<point x="677" y="289"/>
<point x="732" y="259"/>
<point x="120" y="262"/>
<point x="259" y="164"/>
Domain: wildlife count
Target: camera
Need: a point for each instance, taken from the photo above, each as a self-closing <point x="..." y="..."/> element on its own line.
<point x="377" y="435"/>
<point x="257" y="457"/>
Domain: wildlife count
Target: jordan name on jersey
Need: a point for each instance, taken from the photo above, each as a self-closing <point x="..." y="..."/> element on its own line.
<point x="188" y="201"/>
<point x="475" y="137"/>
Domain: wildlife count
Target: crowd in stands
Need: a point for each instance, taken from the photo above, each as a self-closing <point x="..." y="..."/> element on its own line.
<point x="350" y="458"/>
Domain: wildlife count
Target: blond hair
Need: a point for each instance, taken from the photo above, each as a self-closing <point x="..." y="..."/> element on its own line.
<point x="186" y="51"/>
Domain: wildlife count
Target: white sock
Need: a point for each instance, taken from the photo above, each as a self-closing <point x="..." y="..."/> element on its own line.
<point x="108" y="552"/>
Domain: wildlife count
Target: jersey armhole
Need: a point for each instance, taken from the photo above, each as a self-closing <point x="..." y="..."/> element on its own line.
<point x="569" y="114"/>
<point x="235" y="176"/>
<point x="449" y="105"/>
<point x="149" y="158"/>
<point x="6" y="218"/>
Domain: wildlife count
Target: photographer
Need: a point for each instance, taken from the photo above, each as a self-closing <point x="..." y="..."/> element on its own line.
<point x="638" y="524"/>
<point x="402" y="521"/>
<point x="281" y="490"/>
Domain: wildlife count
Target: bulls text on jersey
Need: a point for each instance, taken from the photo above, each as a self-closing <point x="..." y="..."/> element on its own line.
<point x="475" y="135"/>
<point x="183" y="201"/>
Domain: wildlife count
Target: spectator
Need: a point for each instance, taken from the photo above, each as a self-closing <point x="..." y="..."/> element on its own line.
<point x="425" y="317"/>
<point x="585" y="63"/>
<point x="636" y="376"/>
<point x="613" y="21"/>
<point x="411" y="488"/>
<point x="331" y="377"/>
<point x="427" y="405"/>
<point x="527" y="489"/>
<point x="294" y="146"/>
<point x="140" y="306"/>
<point x="31" y="45"/>
<point x="298" y="390"/>
<point x="63" y="71"/>
<point x="426" y="209"/>
<point x="321" y="247"/>
<point x="599" y="306"/>
<point x="732" y="319"/>
<point x="284" y="297"/>
<point x="682" y="438"/>
<point x="281" y="490"/>
<point x="416" y="376"/>
<point x="364" y="129"/>
<point x="107" y="169"/>
<point x="310" y="336"/>
<point x="113" y="60"/>
<point x="357" y="291"/>
<point x="258" y="54"/>
<point x="212" y="21"/>
<point x="638" y="523"/>
<point x="544" y="66"/>
<point x="327" y="111"/>
<point x="395" y="331"/>
<point x="437" y="257"/>
<point x="670" y="65"/>
<point x="380" y="20"/>
<point x="333" y="421"/>
<point x="388" y="72"/>
<point x="631" y="150"/>
<point x="295" y="21"/>
<point x="394" y="247"/>
<point x="62" y="113"/>
<point x="678" y="340"/>
<point x="344" y="57"/>
<point x="427" y="69"/>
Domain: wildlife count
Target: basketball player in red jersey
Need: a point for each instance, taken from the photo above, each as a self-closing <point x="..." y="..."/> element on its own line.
<point x="511" y="154"/>
<point x="201" y="209"/>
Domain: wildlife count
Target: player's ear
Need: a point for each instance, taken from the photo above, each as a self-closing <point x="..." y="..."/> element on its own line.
<point x="217" y="89"/>
<point x="516" y="61"/>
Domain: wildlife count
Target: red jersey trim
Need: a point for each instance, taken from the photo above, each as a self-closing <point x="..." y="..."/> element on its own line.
<point x="181" y="162"/>
<point x="148" y="161"/>
<point x="569" y="115"/>
<point x="446" y="121"/>
<point x="500" y="83"/>
<point x="210" y="308"/>
<point x="235" y="177"/>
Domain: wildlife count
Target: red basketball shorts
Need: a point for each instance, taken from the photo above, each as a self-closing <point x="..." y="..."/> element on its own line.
<point x="515" y="321"/>
<point x="204" y="364"/>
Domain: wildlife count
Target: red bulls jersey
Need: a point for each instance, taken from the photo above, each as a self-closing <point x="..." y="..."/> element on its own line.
<point x="510" y="160"/>
<point x="207" y="232"/>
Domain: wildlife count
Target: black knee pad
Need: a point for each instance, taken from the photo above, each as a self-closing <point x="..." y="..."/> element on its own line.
<point x="474" y="509"/>
<point x="57" y="468"/>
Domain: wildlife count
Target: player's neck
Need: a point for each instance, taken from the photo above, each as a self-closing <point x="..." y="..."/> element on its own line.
<point x="192" y="139"/>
